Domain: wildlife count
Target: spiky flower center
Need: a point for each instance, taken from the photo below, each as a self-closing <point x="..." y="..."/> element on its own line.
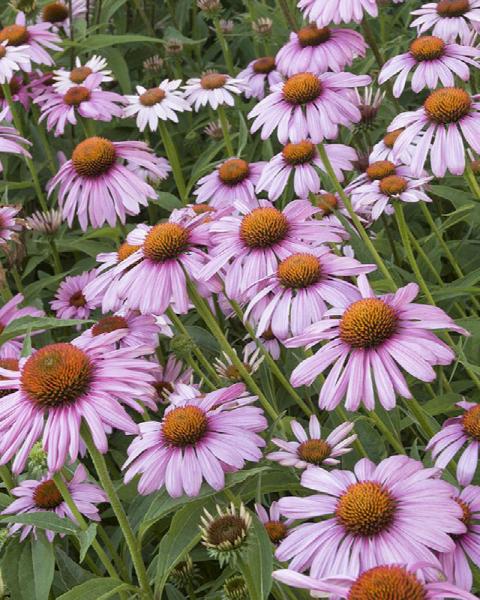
<point x="368" y="323"/>
<point x="467" y="515"/>
<point x="232" y="373"/>
<point x="213" y="81"/>
<point x="448" y="105"/>
<point x="299" y="271"/>
<point x="277" y="531"/>
<point x="57" y="375"/>
<point x="93" y="157"/>
<point x="226" y="531"/>
<point x="202" y="209"/>
<point x="366" y="509"/>
<point x="299" y="154"/>
<point x="327" y="203"/>
<point x="152" y="96"/>
<point x="453" y="8"/>
<point x="311" y="35"/>
<point x="393" y="185"/>
<point x="184" y="426"/>
<point x="76" y="95"/>
<point x="263" y="227"/>
<point x="47" y="496"/>
<point x="16" y="35"/>
<point x="391" y="137"/>
<point x="109" y="324"/>
<point x="77" y="299"/>
<point x="302" y="88"/>
<point x="233" y="171"/>
<point x="264" y="65"/>
<point x="54" y="12"/>
<point x="427" y="47"/>
<point x="387" y="583"/>
<point x="163" y="388"/>
<point x="79" y="74"/>
<point x="126" y="250"/>
<point x="166" y="241"/>
<point x="471" y="422"/>
<point x="235" y="588"/>
<point x="314" y="451"/>
<point x="11" y="364"/>
<point x="380" y="169"/>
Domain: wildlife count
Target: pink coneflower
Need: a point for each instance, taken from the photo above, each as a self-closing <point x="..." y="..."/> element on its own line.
<point x="277" y="528"/>
<point x="234" y="179"/>
<point x="57" y="13"/>
<point x="432" y="60"/>
<point x="456" y="433"/>
<point x="66" y="79"/>
<point x="368" y="340"/>
<point x="11" y="142"/>
<point x="169" y="377"/>
<point x="8" y="222"/>
<point x="70" y="302"/>
<point x="324" y="12"/>
<point x="96" y="186"/>
<point x="86" y="100"/>
<point x="200" y="438"/>
<point x="12" y="60"/>
<point x="302" y="160"/>
<point x="455" y="564"/>
<point x="259" y="76"/>
<point x="38" y="39"/>
<point x="394" y="512"/>
<point x="8" y="313"/>
<point x="297" y="294"/>
<point x="162" y="170"/>
<point x="315" y="50"/>
<point x="213" y="89"/>
<point x="308" y="106"/>
<point x="160" y="102"/>
<point x="311" y="449"/>
<point x="379" y="582"/>
<point x="449" y="19"/>
<point x="383" y="150"/>
<point x="40" y="496"/>
<point x="446" y="115"/>
<point x="268" y="341"/>
<point x="62" y="384"/>
<point x="255" y="240"/>
<point x="19" y="93"/>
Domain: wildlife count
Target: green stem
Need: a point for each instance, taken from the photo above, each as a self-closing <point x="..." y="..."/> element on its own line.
<point x="143" y="16"/>
<point x="371" y="41"/>
<point x="172" y="155"/>
<point x="226" y="134"/>
<point x="416" y="409"/>
<point x="6" y="477"/>
<point x="18" y="280"/>
<point x="472" y="182"/>
<point x="287" y="13"/>
<point x="57" y="263"/>
<point x="41" y="131"/>
<point x="224" y="45"/>
<point x="393" y="440"/>
<point x="107" y="484"/>
<point x="116" y="557"/>
<point x="386" y="226"/>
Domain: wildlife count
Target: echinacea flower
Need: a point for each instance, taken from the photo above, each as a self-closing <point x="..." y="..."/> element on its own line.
<point x="448" y="19"/>
<point x="200" y="438"/>
<point x="315" y="50"/>
<point x="43" y="496"/>
<point x="250" y="360"/>
<point x="162" y="170"/>
<point x="86" y="100"/>
<point x="226" y="534"/>
<point x="304" y="283"/>
<point x="277" y="529"/>
<point x="57" y="13"/>
<point x="19" y="93"/>
<point x="12" y="60"/>
<point x="66" y="79"/>
<point x="432" y="60"/>
<point x="157" y="103"/>
<point x="37" y="38"/>
<point x="383" y="150"/>
<point x="213" y="89"/>
<point x="234" y="179"/>
<point x="303" y="162"/>
<point x="311" y="449"/>
<point x="448" y="115"/>
<point x="10" y="312"/>
<point x="368" y="340"/>
<point x="456" y="433"/>
<point x="324" y="12"/>
<point x="95" y="185"/>
<point x="254" y="241"/>
<point x="169" y="376"/>
<point x="259" y="76"/>
<point x="380" y="582"/>
<point x="47" y="222"/>
<point x="11" y="142"/>
<point x="70" y="302"/>
<point x="8" y="222"/>
<point x="395" y="512"/>
<point x="308" y="106"/>
<point x="58" y="386"/>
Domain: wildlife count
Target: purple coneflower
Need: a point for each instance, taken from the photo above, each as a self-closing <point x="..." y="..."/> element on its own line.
<point x="12" y="60"/>
<point x="446" y="115"/>
<point x="383" y="150"/>
<point x="11" y="142"/>
<point x="19" y="93"/>
<point x="66" y="79"/>
<point x="324" y="12"/>
<point x="8" y="313"/>
<point x="198" y="439"/>
<point x="433" y="60"/>
<point x="40" y="496"/>
<point x="8" y="222"/>
<point x="259" y="76"/>
<point x="96" y="186"/>
<point x="162" y="170"/>
<point x="395" y="512"/>
<point x="70" y="302"/>
<point x="368" y="340"/>
<point x="214" y="89"/>
<point x="315" y="50"/>
<point x="308" y="106"/>
<point x="234" y="179"/>
<point x="277" y="529"/>
<point x="169" y="377"/>
<point x="62" y="384"/>
<point x="268" y="341"/>
<point x="57" y="13"/>
<point x="311" y="449"/>
<point x="449" y="19"/>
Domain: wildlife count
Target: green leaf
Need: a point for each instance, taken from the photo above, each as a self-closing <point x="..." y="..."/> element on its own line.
<point x="70" y="572"/>
<point x="168" y="201"/>
<point x="86" y="538"/>
<point x="103" y="40"/>
<point x="109" y="8"/>
<point x="98" y="588"/>
<point x="256" y="564"/>
<point x="43" y="520"/>
<point x="26" y="324"/>
<point x="43" y="560"/>
<point x="119" y="67"/>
